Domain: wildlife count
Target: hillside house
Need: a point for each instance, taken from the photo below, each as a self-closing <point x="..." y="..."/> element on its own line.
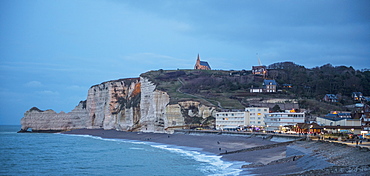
<point x="201" y="65"/>
<point x="259" y="70"/>
<point x="330" y="98"/>
<point x="357" y="96"/>
<point x="269" y="85"/>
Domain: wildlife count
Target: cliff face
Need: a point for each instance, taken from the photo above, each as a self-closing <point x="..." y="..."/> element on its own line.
<point x="114" y="104"/>
<point x="49" y="120"/>
<point x="126" y="104"/>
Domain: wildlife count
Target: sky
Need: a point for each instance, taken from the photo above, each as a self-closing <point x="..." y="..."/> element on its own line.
<point x="53" y="51"/>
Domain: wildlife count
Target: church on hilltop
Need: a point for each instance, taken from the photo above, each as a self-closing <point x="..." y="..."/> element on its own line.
<point x="201" y="65"/>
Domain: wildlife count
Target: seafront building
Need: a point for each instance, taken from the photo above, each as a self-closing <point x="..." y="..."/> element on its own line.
<point x="340" y="125"/>
<point x="231" y="120"/>
<point x="239" y="119"/>
<point x="277" y="120"/>
<point x="256" y="115"/>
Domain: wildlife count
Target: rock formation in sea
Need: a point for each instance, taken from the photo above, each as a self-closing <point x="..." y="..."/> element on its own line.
<point x="132" y="104"/>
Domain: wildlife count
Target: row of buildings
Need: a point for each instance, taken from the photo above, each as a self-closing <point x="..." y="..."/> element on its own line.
<point x="356" y="96"/>
<point x="267" y="85"/>
<point x="260" y="118"/>
<point x="257" y="118"/>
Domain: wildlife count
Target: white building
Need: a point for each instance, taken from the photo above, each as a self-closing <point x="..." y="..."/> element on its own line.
<point x="230" y="120"/>
<point x="256" y="115"/>
<point x="252" y="116"/>
<point x="275" y="121"/>
<point x="324" y="121"/>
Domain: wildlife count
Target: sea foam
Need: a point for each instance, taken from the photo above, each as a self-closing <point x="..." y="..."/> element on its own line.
<point x="212" y="165"/>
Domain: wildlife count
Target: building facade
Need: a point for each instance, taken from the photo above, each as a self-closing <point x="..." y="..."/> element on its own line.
<point x="259" y="70"/>
<point x="275" y="121"/>
<point x="255" y="115"/>
<point x="231" y="120"/>
<point x="269" y="85"/>
<point x="252" y="116"/>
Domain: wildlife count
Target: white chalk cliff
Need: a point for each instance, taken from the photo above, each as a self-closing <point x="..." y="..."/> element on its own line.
<point x="132" y="104"/>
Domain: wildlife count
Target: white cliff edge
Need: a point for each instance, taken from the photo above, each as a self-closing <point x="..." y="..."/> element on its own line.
<point x="132" y="104"/>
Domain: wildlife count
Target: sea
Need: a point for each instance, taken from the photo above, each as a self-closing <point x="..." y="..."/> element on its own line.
<point x="63" y="154"/>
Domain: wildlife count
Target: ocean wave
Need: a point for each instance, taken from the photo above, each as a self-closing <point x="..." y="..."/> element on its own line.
<point x="214" y="165"/>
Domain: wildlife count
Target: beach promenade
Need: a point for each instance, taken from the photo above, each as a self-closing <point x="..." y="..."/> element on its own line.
<point x="364" y="143"/>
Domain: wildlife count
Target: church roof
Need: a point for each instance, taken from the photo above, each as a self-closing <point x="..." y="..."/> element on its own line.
<point x="204" y="63"/>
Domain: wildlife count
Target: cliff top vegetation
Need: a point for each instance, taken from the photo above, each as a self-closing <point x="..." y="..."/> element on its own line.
<point x="230" y="89"/>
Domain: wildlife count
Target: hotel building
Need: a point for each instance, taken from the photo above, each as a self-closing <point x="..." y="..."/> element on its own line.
<point x="275" y="121"/>
<point x="251" y="116"/>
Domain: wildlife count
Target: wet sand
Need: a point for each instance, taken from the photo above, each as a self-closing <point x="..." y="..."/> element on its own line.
<point x="214" y="144"/>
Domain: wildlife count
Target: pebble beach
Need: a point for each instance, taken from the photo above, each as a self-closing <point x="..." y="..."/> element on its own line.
<point x="265" y="157"/>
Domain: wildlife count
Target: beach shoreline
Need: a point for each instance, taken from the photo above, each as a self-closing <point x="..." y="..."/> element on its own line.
<point x="208" y="143"/>
<point x="265" y="157"/>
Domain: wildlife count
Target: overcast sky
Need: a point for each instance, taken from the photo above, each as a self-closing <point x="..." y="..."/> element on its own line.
<point x="52" y="51"/>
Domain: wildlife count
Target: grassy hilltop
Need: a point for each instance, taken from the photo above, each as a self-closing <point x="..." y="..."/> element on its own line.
<point x="230" y="89"/>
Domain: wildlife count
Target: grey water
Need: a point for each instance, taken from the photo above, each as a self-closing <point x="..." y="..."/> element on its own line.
<point x="60" y="154"/>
